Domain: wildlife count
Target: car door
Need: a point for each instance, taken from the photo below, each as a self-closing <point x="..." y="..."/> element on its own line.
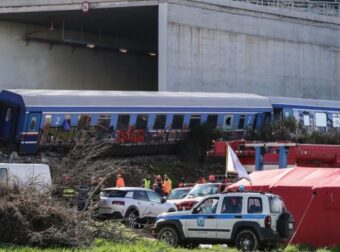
<point x="157" y="207"/>
<point x="142" y="202"/>
<point x="231" y="212"/>
<point x="203" y="219"/>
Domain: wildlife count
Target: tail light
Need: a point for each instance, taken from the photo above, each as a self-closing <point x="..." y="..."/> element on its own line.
<point x="120" y="203"/>
<point x="268" y="221"/>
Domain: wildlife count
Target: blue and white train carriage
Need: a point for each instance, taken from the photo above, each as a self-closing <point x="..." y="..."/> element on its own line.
<point x="321" y="115"/>
<point x="29" y="118"/>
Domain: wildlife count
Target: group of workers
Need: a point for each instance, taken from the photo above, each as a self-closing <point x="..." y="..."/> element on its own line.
<point x="161" y="186"/>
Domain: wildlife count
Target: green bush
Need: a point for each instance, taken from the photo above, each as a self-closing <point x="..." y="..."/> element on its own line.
<point x="291" y="130"/>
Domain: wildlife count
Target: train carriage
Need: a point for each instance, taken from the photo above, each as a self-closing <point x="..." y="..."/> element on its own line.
<point x="29" y="118"/>
<point x="320" y="115"/>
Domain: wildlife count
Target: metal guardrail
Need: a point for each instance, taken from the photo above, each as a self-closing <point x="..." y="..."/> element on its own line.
<point x="329" y="8"/>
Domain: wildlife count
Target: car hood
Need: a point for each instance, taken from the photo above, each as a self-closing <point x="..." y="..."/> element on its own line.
<point x="169" y="204"/>
<point x="174" y="201"/>
<point x="173" y="215"/>
<point x="197" y="199"/>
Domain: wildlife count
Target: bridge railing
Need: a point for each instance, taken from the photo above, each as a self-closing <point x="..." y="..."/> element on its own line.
<point x="329" y="8"/>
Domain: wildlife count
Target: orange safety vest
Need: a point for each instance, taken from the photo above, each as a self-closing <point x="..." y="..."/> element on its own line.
<point x="120" y="182"/>
<point x="167" y="186"/>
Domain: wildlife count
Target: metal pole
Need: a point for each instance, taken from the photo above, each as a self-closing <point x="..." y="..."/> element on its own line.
<point x="258" y="158"/>
<point x="282" y="157"/>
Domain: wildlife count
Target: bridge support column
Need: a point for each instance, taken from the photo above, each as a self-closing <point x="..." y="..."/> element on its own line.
<point x="259" y="158"/>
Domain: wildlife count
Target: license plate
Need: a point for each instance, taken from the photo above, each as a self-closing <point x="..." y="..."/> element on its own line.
<point x="290" y="225"/>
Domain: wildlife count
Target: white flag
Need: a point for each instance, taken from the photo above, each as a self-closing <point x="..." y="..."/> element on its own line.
<point x="234" y="164"/>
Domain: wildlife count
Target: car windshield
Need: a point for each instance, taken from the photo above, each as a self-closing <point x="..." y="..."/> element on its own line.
<point x="203" y="190"/>
<point x="179" y="193"/>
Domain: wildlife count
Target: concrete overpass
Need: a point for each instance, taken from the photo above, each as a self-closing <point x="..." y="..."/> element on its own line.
<point x="211" y="45"/>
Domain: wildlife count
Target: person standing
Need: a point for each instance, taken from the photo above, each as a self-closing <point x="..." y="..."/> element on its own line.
<point x="158" y="186"/>
<point x="201" y="180"/>
<point x="146" y="183"/>
<point x="120" y="181"/>
<point x="167" y="185"/>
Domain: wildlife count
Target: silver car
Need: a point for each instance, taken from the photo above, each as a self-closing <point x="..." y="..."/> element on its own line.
<point x="136" y="205"/>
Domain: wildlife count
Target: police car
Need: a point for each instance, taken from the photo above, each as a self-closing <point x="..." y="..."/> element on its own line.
<point x="249" y="220"/>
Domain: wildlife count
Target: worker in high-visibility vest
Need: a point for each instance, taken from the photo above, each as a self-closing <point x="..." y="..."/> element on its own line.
<point x="167" y="185"/>
<point x="146" y="183"/>
<point x="120" y="181"/>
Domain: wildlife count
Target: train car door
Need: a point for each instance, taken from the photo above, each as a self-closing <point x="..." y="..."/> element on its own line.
<point x="29" y="143"/>
<point x="7" y="123"/>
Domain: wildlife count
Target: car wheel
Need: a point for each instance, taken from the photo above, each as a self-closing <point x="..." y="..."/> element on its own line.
<point x="131" y="219"/>
<point x="246" y="240"/>
<point x="169" y="236"/>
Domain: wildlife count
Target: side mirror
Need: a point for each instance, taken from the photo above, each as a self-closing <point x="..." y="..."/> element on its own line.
<point x="163" y="200"/>
<point x="194" y="210"/>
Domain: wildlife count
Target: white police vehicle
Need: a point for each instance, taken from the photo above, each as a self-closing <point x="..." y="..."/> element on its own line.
<point x="248" y="220"/>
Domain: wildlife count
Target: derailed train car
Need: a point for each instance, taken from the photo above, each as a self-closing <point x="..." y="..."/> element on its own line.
<point x="33" y="118"/>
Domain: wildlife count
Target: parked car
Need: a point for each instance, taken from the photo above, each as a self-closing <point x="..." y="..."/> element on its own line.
<point x="136" y="205"/>
<point x="178" y="193"/>
<point x="198" y="192"/>
<point x="247" y="220"/>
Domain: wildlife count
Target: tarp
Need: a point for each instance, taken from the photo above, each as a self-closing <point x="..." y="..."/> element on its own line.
<point x="299" y="187"/>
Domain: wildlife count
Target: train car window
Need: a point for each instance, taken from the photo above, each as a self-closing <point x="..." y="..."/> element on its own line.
<point x="212" y="121"/>
<point x="320" y="120"/>
<point x="160" y="122"/>
<point x="84" y="122"/>
<point x="278" y="114"/>
<point x="267" y="117"/>
<point x="241" y="122"/>
<point x="177" y="122"/>
<point x="46" y="135"/>
<point x="228" y="122"/>
<point x="103" y="126"/>
<point x="33" y="124"/>
<point x="195" y="121"/>
<point x="123" y="122"/>
<point x="65" y="132"/>
<point x="336" y="120"/>
<point x="8" y="114"/>
<point x="103" y="122"/>
<point x="142" y="122"/>
<point x="67" y="123"/>
<point x="306" y="121"/>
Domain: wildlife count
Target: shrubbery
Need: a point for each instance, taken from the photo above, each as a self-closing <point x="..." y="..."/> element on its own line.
<point x="291" y="130"/>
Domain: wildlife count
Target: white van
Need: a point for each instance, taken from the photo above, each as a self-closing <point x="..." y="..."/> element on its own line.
<point x="25" y="173"/>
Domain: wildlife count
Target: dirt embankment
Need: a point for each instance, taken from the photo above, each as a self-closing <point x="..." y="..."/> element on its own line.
<point x="86" y="161"/>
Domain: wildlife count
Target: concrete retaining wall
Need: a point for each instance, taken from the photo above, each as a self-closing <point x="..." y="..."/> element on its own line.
<point x="230" y="50"/>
